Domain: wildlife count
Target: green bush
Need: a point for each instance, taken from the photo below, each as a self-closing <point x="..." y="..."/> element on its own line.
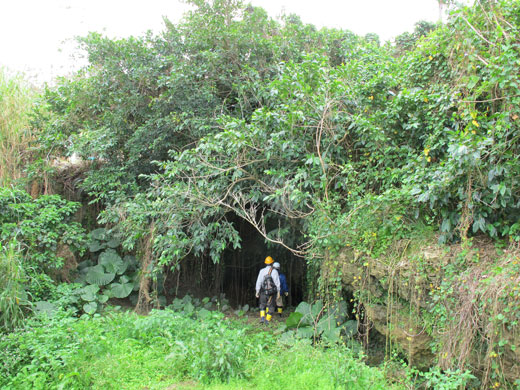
<point x="35" y="356"/>
<point x="41" y="226"/>
<point x="210" y="346"/>
<point x="437" y="379"/>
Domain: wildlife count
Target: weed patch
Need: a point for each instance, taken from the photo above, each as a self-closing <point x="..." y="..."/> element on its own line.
<point x="169" y="349"/>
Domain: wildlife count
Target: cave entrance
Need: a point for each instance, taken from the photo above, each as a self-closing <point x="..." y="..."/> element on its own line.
<point x="241" y="268"/>
<point x="236" y="273"/>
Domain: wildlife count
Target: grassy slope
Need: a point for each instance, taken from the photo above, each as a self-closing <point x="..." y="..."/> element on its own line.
<point x="170" y="351"/>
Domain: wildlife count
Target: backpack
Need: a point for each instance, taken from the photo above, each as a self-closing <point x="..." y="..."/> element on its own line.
<point x="268" y="284"/>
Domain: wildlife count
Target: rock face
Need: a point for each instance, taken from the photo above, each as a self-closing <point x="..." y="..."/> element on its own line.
<point x="403" y="330"/>
<point x="70" y="263"/>
<point x="393" y="300"/>
<point x="431" y="302"/>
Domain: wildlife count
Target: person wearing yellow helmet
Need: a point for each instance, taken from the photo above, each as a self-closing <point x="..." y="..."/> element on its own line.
<point x="267" y="289"/>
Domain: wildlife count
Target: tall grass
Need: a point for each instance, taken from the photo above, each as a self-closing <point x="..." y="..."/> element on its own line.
<point x="16" y="98"/>
<point x="172" y="350"/>
<point x="13" y="297"/>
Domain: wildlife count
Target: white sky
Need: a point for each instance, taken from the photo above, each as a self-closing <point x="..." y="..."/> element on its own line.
<point x="36" y="36"/>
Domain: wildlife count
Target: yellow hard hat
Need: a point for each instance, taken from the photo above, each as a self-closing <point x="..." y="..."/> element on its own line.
<point x="269" y="260"/>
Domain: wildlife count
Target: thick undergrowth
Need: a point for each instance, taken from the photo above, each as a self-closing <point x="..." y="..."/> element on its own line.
<point x="390" y="170"/>
<point x="169" y="349"/>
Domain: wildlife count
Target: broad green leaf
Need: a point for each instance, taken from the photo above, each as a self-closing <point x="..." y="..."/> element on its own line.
<point x="98" y="234"/>
<point x="293" y="320"/>
<point x="88" y="293"/>
<point x="102" y="298"/>
<point x="473" y="81"/>
<point x="303" y="308"/>
<point x="84" y="264"/>
<point x="112" y="262"/>
<point x="305" y="332"/>
<point x="121" y="290"/>
<point x="90" y="308"/>
<point x="306" y="310"/>
<point x="310" y="312"/>
<point x="316" y="308"/>
<point x="97" y="275"/>
<point x="95" y="246"/>
<point x="332" y="335"/>
<point x="124" y="279"/>
<point x="113" y="243"/>
<point x="326" y="323"/>
<point x="188" y="308"/>
<point x="177" y="304"/>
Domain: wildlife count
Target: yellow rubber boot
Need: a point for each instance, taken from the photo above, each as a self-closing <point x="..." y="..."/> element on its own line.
<point x="280" y="311"/>
<point x="268" y="318"/>
<point x="262" y="316"/>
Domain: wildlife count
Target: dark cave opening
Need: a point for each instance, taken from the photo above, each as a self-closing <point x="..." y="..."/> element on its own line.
<point x="241" y="268"/>
<point x="236" y="273"/>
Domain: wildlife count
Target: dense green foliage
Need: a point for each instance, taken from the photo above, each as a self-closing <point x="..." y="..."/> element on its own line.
<point x="320" y="139"/>
<point x="121" y="350"/>
<point x="41" y="226"/>
<point x="284" y="125"/>
<point x="33" y="236"/>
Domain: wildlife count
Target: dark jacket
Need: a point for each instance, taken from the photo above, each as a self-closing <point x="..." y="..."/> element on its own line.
<point x="283" y="284"/>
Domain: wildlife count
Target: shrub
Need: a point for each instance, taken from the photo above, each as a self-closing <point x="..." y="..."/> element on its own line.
<point x="41" y="226"/>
